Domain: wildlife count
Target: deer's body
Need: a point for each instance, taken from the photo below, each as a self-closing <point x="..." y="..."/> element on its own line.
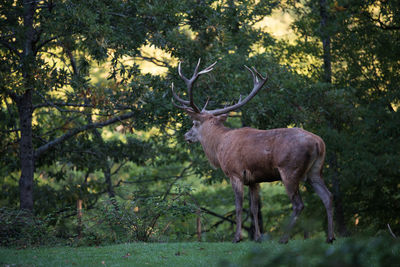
<point x="249" y="156"/>
<point x="256" y="155"/>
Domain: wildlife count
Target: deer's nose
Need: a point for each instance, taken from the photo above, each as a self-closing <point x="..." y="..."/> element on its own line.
<point x="187" y="138"/>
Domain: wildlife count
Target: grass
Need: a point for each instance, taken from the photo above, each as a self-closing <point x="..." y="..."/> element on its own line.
<point x="188" y="254"/>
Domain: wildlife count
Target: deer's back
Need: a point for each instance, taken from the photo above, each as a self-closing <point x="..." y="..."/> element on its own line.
<point x="256" y="155"/>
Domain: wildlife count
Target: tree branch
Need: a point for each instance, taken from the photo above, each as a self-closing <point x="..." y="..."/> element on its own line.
<point x="61" y="104"/>
<point x="10" y="47"/>
<point x="45" y="42"/>
<point x="222" y="217"/>
<point x="155" y="61"/>
<point x="10" y="93"/>
<point x="391" y="232"/>
<point x="78" y="130"/>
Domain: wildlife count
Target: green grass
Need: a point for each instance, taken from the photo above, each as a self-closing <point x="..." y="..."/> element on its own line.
<point x="201" y="254"/>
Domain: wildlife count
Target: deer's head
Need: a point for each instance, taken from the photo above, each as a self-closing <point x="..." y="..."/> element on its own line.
<point x="202" y="118"/>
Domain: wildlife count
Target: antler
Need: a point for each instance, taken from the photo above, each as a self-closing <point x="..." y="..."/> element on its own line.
<point x="189" y="84"/>
<point x="258" y="81"/>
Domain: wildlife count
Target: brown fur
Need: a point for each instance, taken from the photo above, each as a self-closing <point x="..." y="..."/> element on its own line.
<point x="249" y="156"/>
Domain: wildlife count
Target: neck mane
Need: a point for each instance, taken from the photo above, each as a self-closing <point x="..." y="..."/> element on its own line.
<point x="211" y="137"/>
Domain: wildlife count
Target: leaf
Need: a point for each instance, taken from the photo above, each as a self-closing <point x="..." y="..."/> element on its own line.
<point x="127" y="255"/>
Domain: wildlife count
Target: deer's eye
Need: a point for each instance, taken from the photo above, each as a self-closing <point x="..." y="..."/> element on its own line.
<point x="196" y="123"/>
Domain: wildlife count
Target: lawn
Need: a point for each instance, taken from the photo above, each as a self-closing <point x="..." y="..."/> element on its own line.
<point x="345" y="252"/>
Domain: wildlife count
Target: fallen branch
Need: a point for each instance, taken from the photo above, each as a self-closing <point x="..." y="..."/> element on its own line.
<point x="391" y="232"/>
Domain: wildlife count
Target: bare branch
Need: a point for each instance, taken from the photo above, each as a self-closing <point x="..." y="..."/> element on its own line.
<point x="46" y="42"/>
<point x="391" y="232"/>
<point x="119" y="167"/>
<point x="155" y="61"/>
<point x="9" y="93"/>
<point x="78" y="130"/>
<point x="382" y="25"/>
<point x="72" y="60"/>
<point x="176" y="179"/>
<point x="62" y="104"/>
<point x="8" y="45"/>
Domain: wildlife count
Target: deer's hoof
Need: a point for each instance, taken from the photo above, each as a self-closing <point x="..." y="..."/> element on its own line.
<point x="237" y="239"/>
<point x="284" y="240"/>
<point x="330" y="240"/>
<point x="259" y="239"/>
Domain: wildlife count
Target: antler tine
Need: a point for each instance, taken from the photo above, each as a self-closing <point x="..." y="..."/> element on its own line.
<point x="185" y="102"/>
<point x="208" y="69"/>
<point x="258" y="81"/>
<point x="189" y="84"/>
<point x="196" y="70"/>
<point x="252" y="73"/>
<point x="204" y="108"/>
<point x="180" y="72"/>
<point x="178" y="106"/>
<point x="196" y="74"/>
<point x="259" y="75"/>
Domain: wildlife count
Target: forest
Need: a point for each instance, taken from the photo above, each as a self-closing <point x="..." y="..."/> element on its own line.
<point x="93" y="149"/>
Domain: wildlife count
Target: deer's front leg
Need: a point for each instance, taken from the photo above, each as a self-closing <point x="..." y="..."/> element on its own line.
<point x="237" y="186"/>
<point x="254" y="199"/>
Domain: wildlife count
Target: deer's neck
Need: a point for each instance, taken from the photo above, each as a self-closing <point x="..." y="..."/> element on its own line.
<point x="210" y="138"/>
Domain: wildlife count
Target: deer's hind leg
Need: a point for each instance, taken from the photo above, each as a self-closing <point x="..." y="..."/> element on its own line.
<point x="325" y="195"/>
<point x="291" y="183"/>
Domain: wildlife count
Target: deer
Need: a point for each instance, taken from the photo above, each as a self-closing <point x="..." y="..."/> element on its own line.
<point x="250" y="156"/>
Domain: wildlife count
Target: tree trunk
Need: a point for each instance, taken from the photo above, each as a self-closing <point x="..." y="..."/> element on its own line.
<point x="337" y="198"/>
<point x="107" y="177"/>
<point x="326" y="45"/>
<point x="79" y="217"/>
<point x="26" y="152"/>
<point x="25" y="110"/>
<point x="198" y="225"/>
<point x="108" y="180"/>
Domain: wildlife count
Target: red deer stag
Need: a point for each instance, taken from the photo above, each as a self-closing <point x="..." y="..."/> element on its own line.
<point x="249" y="156"/>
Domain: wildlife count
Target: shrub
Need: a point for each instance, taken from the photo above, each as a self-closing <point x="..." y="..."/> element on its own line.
<point x="141" y="219"/>
<point x="377" y="251"/>
<point x="21" y="228"/>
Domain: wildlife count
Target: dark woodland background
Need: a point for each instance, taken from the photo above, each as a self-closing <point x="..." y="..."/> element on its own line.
<point x="92" y="149"/>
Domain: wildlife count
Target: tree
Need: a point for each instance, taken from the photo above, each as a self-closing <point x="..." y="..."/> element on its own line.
<point x="353" y="43"/>
<point x="47" y="48"/>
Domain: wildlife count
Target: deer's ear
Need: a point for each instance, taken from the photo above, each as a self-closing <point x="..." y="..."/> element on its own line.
<point x="222" y="118"/>
<point x="194" y="115"/>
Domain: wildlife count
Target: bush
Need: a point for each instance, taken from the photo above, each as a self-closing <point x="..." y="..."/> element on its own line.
<point x="141" y="219"/>
<point x="378" y="251"/>
<point x="21" y="228"/>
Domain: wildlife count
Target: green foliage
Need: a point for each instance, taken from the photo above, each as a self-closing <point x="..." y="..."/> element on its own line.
<point x="357" y="114"/>
<point x="347" y="252"/>
<point x="141" y="219"/>
<point x="378" y="251"/>
<point x="18" y="228"/>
